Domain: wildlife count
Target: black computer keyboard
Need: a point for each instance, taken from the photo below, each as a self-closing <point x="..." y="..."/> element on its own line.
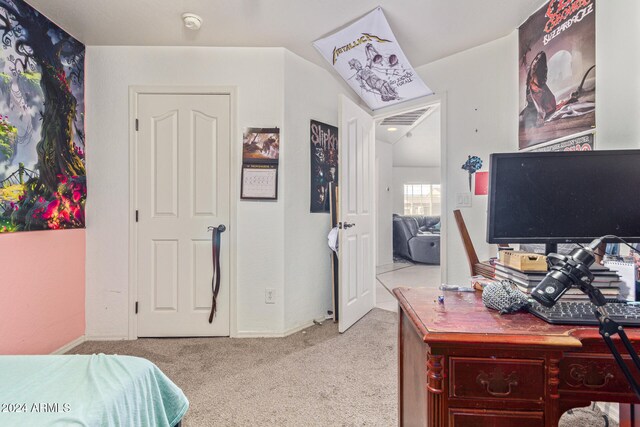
<point x="582" y="313"/>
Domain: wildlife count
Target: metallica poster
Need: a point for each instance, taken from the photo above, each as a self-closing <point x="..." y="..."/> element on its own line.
<point x="557" y="72"/>
<point x="324" y="164"/>
<point x="368" y="57"/>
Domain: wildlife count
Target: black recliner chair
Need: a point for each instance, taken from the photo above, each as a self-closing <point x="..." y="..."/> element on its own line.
<point x="409" y="243"/>
<point x="427" y="224"/>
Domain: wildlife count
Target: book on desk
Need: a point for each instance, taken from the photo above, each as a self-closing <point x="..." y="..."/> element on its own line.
<point x="608" y="281"/>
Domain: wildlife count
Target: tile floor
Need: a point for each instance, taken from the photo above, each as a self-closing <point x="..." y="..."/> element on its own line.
<point x="403" y="274"/>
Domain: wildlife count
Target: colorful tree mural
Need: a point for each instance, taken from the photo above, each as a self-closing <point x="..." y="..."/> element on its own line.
<point x="42" y="170"/>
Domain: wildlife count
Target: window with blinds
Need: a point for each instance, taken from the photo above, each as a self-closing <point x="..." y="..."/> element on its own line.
<point x="422" y="199"/>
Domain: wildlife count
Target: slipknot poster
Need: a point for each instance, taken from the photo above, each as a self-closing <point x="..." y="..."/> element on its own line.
<point x="324" y="164"/>
<point x="557" y="72"/>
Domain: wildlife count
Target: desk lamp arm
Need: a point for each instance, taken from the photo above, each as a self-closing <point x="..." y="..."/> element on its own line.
<point x="573" y="271"/>
<point x="608" y="329"/>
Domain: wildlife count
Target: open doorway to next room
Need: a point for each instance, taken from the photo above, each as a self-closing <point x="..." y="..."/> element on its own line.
<point x="408" y="171"/>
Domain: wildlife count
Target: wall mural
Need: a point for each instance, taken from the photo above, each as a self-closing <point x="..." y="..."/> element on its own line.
<point x="42" y="139"/>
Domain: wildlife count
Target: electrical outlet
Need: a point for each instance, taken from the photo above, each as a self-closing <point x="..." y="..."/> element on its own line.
<point x="269" y="296"/>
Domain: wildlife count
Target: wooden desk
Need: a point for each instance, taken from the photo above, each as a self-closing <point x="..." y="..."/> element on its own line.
<point x="463" y="365"/>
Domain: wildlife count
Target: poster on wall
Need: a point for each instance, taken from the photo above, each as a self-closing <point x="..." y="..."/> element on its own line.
<point x="42" y="139"/>
<point x="261" y="145"/>
<point x="260" y="157"/>
<point x="367" y="56"/>
<point x="557" y="72"/>
<point x="482" y="183"/>
<point x="324" y="164"/>
<point x="578" y="143"/>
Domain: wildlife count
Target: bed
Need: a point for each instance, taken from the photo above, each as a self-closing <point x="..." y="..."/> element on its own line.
<point x="87" y="390"/>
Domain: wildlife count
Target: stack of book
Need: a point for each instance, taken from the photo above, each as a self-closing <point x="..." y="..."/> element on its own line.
<point x="484" y="268"/>
<point x="608" y="281"/>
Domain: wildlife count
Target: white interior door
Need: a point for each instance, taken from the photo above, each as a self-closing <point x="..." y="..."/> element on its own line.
<point x="182" y="177"/>
<point x="357" y="214"/>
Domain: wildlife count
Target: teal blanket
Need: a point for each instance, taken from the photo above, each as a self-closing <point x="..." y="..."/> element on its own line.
<point x="78" y="390"/>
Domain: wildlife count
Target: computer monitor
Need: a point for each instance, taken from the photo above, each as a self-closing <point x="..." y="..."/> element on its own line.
<point x="564" y="197"/>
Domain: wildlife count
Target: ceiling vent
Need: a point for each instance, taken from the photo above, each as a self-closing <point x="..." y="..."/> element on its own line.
<point x="405" y="119"/>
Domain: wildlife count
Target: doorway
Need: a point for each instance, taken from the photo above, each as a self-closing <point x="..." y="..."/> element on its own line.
<point x="181" y="170"/>
<point x="409" y="176"/>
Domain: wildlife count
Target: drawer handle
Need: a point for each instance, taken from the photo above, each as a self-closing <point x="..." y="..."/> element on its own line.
<point x="590" y="376"/>
<point x="496" y="384"/>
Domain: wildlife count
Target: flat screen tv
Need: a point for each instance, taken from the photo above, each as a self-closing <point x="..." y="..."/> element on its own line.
<point x="564" y="197"/>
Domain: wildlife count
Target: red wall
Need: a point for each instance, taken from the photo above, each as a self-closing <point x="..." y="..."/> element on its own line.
<point x="42" y="290"/>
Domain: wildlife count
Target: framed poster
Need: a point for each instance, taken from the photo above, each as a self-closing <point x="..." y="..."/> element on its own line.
<point x="259" y="182"/>
<point x="557" y="72"/>
<point x="324" y="164"/>
<point x="261" y="145"/>
<point x="578" y="143"/>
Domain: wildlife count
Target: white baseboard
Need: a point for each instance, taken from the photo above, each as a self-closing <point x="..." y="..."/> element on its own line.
<point x="106" y="338"/>
<point x="270" y="334"/>
<point x="258" y="334"/>
<point x="300" y="328"/>
<point x="69" y="346"/>
<point x="611" y="410"/>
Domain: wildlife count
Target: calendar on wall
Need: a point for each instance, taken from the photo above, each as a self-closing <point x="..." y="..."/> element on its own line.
<point x="260" y="157"/>
<point x="259" y="181"/>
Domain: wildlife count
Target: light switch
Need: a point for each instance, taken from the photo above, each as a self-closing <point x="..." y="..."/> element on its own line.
<point x="463" y="200"/>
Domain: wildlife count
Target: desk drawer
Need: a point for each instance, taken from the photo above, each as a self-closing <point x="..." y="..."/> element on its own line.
<point x="520" y="379"/>
<point x="594" y="373"/>
<point x="480" y="418"/>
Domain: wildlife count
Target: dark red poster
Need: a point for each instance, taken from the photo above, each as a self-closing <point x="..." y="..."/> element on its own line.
<point x="482" y="183"/>
<point x="557" y="72"/>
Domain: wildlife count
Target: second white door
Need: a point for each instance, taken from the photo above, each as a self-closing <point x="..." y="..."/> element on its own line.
<point x="182" y="182"/>
<point x="357" y="214"/>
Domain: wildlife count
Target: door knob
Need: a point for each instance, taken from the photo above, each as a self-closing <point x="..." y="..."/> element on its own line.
<point x="345" y="225"/>
<point x="221" y="228"/>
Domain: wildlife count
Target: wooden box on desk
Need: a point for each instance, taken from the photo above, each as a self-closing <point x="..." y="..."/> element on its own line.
<point x="524" y="261"/>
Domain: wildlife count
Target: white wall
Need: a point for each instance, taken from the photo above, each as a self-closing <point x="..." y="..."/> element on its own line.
<point x="384" y="181"/>
<point x="258" y="74"/>
<point x="618" y="74"/>
<point x="482" y="93"/>
<point x="310" y="92"/>
<point x="280" y="245"/>
<point x="405" y="175"/>
<point x="481" y="88"/>
<point x="422" y="149"/>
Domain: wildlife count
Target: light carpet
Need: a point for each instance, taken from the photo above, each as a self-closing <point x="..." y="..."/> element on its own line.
<point x="312" y="378"/>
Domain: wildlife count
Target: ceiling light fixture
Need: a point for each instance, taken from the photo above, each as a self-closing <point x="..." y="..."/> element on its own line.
<point x="392" y="129"/>
<point x="191" y="21"/>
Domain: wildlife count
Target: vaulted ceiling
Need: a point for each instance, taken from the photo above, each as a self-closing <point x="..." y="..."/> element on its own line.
<point x="426" y="29"/>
